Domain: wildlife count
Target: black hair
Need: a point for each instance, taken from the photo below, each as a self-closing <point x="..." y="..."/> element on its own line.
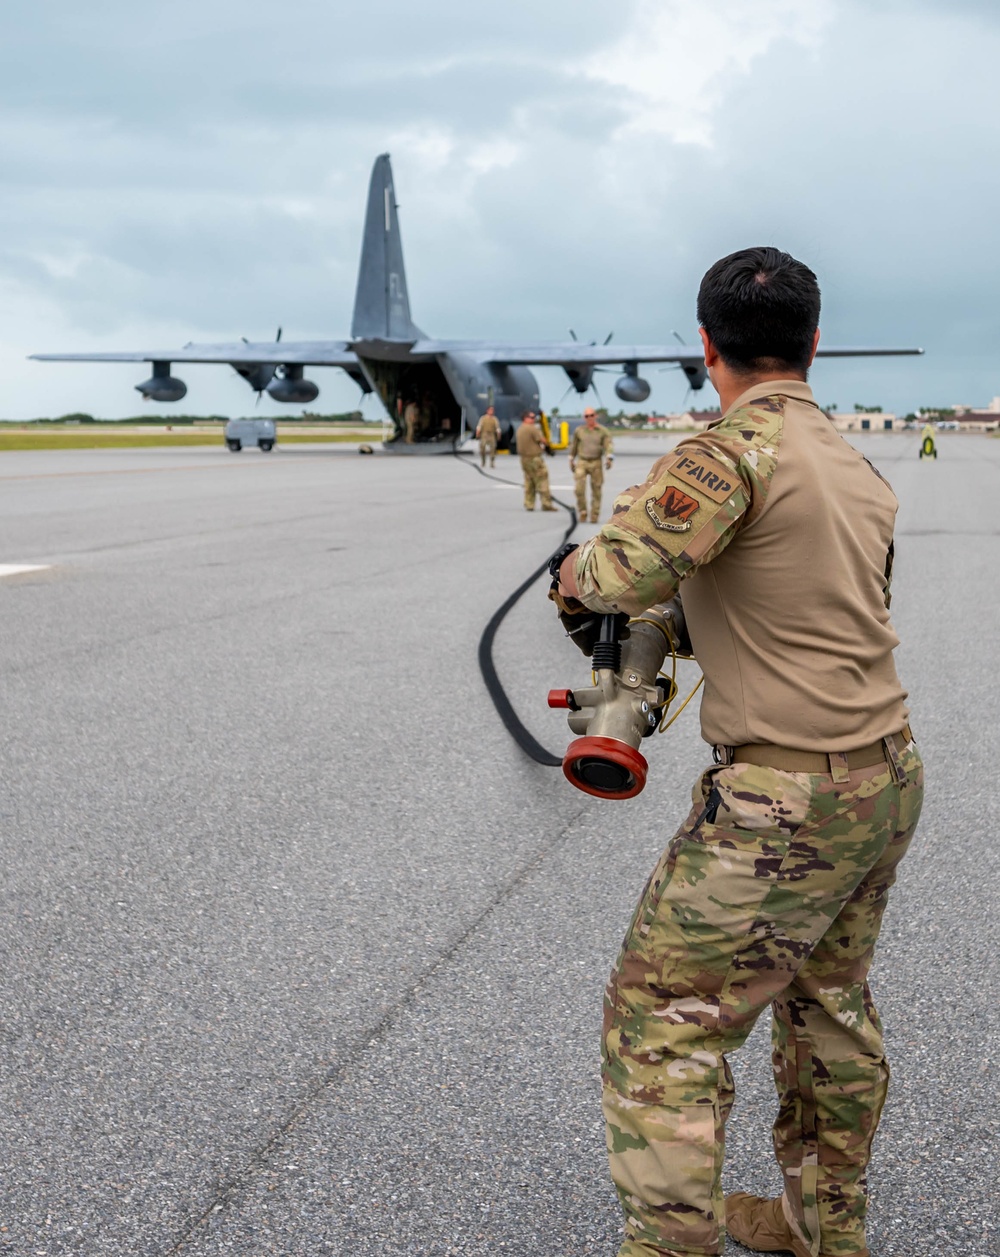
<point x="760" y="308"/>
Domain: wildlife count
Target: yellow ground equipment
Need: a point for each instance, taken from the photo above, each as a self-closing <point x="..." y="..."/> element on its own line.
<point x="559" y="439"/>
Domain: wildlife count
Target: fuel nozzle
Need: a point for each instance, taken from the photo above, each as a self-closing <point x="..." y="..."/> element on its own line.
<point x="625" y="704"/>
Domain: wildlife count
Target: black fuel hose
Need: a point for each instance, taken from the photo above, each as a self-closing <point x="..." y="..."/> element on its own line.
<point x="494" y="686"/>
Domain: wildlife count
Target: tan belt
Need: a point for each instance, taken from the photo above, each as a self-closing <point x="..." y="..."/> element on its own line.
<point x="788" y="759"/>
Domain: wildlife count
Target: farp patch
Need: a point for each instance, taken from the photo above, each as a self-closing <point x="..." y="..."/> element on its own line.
<point x="706" y="475"/>
<point x="672" y="510"/>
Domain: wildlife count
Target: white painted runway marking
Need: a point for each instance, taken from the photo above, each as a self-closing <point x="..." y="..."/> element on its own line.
<point x="15" y="569"/>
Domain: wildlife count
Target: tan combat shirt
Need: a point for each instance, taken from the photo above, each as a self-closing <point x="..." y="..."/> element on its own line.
<point x="530" y="440"/>
<point x="591" y="443"/>
<point x="780" y="531"/>
<point x="488" y="428"/>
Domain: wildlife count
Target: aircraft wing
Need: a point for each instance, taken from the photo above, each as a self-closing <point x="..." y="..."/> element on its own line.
<point x="561" y="354"/>
<point x="574" y="354"/>
<point x="319" y="353"/>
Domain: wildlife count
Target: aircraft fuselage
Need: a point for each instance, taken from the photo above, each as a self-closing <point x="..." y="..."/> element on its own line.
<point x="433" y="398"/>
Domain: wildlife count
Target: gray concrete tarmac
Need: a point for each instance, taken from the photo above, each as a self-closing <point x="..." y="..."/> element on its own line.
<point x="301" y="955"/>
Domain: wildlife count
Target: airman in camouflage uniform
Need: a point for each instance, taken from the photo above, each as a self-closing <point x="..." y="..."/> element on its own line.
<point x="488" y="434"/>
<point x="772" y="890"/>
<point x="590" y="455"/>
<point x="531" y="447"/>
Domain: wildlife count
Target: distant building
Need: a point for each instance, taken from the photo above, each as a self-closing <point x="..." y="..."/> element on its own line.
<point x="860" y="421"/>
<point x="669" y="423"/>
<point x="977" y="418"/>
<point x="702" y="418"/>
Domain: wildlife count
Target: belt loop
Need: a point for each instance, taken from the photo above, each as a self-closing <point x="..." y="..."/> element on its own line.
<point x="722" y="754"/>
<point x="838" y="767"/>
<point x="892" y="758"/>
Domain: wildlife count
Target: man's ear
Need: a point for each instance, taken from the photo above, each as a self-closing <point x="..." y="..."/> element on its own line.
<point x="711" y="353"/>
<point x="812" y="356"/>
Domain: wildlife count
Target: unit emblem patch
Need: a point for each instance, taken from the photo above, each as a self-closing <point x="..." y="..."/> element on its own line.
<point x="672" y="511"/>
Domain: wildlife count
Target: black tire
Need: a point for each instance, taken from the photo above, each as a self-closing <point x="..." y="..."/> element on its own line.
<point x="266" y="446"/>
<point x="234" y="446"/>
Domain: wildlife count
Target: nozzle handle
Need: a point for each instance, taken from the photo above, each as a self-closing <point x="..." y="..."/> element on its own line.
<point x="608" y="647"/>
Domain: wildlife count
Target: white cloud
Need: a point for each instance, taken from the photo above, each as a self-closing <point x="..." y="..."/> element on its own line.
<point x="676" y="61"/>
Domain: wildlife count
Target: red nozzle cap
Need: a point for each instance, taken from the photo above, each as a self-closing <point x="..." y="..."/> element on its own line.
<point x="605" y="767"/>
<point x="562" y="698"/>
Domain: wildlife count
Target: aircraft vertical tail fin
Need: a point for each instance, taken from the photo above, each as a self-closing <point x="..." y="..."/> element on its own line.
<point x="381" y="305"/>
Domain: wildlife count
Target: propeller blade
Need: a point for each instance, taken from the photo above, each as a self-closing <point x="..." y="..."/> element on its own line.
<point x="678" y="336"/>
<point x="278" y="337"/>
<point x="607" y="339"/>
<point x="572" y="333"/>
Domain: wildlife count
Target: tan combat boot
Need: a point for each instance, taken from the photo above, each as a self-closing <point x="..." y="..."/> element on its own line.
<point x="760" y="1225"/>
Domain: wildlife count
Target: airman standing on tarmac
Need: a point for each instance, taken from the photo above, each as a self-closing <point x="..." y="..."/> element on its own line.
<point x="590" y="455"/>
<point x="488" y="433"/>
<point x="531" y="447"/>
<point x="411" y="422"/>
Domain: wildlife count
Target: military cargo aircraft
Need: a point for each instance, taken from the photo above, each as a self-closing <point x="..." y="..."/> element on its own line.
<point x="432" y="390"/>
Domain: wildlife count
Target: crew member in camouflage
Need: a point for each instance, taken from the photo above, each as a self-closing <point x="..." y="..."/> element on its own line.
<point x="590" y="455"/>
<point x="488" y="434"/>
<point x="779" y="536"/>
<point x="531" y="447"/>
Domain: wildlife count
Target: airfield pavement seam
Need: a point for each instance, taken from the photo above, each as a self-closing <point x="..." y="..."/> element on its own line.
<point x="227" y="1191"/>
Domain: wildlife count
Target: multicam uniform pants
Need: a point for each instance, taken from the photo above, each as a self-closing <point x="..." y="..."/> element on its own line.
<point x="594" y="468"/>
<point x="487" y="449"/>
<point x="536" y="481"/>
<point x="772" y="892"/>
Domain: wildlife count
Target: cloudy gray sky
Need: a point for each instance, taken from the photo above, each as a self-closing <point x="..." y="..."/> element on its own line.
<point x="197" y="171"/>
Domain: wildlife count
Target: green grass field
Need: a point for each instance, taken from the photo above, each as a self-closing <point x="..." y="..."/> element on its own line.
<point x="109" y="438"/>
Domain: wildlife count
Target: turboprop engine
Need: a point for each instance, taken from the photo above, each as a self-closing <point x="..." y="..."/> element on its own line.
<point x="696" y="374"/>
<point x="291" y="387"/>
<point x="631" y="387"/>
<point x="162" y="386"/>
<point x="257" y="374"/>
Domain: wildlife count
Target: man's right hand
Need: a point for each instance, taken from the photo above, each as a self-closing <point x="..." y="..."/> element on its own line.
<point x="583" y="626"/>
